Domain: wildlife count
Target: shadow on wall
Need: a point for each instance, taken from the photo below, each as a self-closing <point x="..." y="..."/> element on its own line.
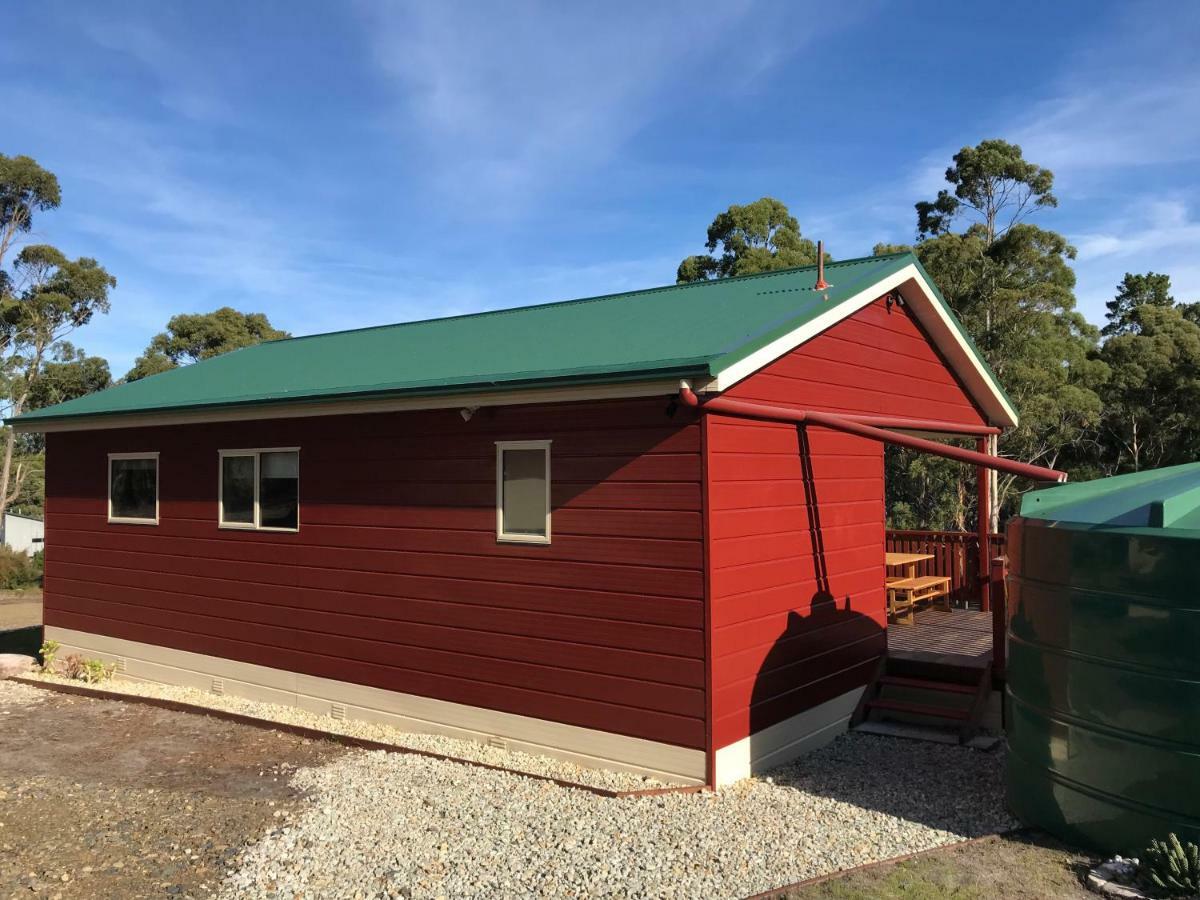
<point x="826" y="653"/>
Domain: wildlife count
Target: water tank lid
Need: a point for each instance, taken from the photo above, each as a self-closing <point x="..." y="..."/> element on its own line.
<point x="1161" y="498"/>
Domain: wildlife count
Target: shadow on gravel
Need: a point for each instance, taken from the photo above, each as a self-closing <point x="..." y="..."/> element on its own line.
<point x="829" y="646"/>
<point x="21" y="640"/>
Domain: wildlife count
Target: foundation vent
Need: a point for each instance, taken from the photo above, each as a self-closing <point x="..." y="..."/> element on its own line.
<point x="337" y="711"/>
<point x="498" y="742"/>
<point x="218" y="686"/>
<point x="121" y="666"/>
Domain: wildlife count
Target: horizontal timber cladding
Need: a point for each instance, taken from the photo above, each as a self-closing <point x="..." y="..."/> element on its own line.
<point x="395" y="579"/>
<point x="796" y="526"/>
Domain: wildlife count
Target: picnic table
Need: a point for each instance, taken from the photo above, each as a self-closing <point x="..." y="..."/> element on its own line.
<point x="908" y="590"/>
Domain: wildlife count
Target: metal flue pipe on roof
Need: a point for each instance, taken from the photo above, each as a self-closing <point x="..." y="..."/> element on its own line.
<point x="821" y="284"/>
<point x="848" y="425"/>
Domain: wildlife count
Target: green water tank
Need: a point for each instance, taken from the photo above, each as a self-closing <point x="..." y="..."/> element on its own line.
<point x="1103" y="694"/>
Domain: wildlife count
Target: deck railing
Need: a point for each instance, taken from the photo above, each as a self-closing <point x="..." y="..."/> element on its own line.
<point x="955" y="555"/>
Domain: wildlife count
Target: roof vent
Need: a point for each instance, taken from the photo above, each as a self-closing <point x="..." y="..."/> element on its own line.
<point x="821" y="284"/>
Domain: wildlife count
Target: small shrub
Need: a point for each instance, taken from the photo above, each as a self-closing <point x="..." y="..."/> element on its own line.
<point x="18" y="570"/>
<point x="72" y="667"/>
<point x="1172" y="867"/>
<point x="48" y="652"/>
<point x="95" y="671"/>
<point x="92" y="671"/>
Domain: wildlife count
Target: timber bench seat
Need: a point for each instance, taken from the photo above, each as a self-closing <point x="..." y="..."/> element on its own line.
<point x="906" y="593"/>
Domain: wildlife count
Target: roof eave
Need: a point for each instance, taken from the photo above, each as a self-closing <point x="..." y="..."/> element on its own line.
<point x="641" y="383"/>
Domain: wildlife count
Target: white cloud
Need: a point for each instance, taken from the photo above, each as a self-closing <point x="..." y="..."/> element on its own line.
<point x="504" y="101"/>
<point x="1150" y="234"/>
<point x="185" y="83"/>
<point x="1151" y="226"/>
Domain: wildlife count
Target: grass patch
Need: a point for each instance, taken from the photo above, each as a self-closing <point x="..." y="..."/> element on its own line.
<point x="1023" y="865"/>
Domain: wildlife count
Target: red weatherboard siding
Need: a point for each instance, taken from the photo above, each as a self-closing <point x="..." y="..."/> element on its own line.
<point x="787" y="636"/>
<point x="395" y="579"/>
<point x="877" y="361"/>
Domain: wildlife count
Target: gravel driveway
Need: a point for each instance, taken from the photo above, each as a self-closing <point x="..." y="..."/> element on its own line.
<point x="377" y="825"/>
<point x="109" y="799"/>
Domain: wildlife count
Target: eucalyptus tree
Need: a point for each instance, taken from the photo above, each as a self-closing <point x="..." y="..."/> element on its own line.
<point x="758" y="237"/>
<point x="44" y="297"/>
<point x="191" y="337"/>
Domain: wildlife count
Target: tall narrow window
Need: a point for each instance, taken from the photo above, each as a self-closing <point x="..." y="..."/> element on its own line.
<point x="260" y="489"/>
<point x="133" y="488"/>
<point x="523" y="491"/>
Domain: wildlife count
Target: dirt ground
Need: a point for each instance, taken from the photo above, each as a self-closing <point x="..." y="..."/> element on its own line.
<point x="100" y="799"/>
<point x="1027" y="866"/>
<point x="20" y="609"/>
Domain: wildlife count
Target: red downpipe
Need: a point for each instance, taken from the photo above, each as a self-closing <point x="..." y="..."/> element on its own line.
<point x="842" y="423"/>
<point x="984" y="523"/>
<point x="906" y="424"/>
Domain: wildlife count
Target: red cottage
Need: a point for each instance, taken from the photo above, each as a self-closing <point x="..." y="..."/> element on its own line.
<point x="596" y="529"/>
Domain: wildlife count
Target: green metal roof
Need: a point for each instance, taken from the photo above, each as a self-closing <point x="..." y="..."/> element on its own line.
<point x="1161" y="498"/>
<point x="680" y="330"/>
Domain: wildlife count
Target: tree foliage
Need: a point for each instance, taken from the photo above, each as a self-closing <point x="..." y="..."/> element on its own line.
<point x="759" y="237"/>
<point x="1011" y="283"/>
<point x="44" y="297"/>
<point x="193" y="337"/>
<point x="995" y="182"/>
<point x="1152" y="398"/>
<point x="69" y="375"/>
<point x="1133" y="292"/>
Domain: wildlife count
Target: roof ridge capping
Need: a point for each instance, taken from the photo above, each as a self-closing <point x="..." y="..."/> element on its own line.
<point x="792" y="270"/>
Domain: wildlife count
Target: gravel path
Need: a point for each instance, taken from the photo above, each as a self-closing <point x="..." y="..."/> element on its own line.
<point x="432" y="743"/>
<point x="379" y="825"/>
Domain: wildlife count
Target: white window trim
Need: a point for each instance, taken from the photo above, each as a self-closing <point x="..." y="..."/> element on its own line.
<point x="501" y="536"/>
<point x="256" y="452"/>
<point x="125" y="520"/>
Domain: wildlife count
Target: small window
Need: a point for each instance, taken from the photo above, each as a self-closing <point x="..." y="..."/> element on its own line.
<point x="523" y="491"/>
<point x="133" y="488"/>
<point x="260" y="489"/>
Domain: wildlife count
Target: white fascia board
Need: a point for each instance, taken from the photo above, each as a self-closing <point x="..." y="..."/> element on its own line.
<point x="934" y="317"/>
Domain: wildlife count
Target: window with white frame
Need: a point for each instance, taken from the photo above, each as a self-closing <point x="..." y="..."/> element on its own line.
<point x="133" y="488"/>
<point x="260" y="489"/>
<point x="523" y="491"/>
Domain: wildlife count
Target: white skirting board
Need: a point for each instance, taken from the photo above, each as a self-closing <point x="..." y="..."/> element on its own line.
<point x="786" y="740"/>
<point x="583" y="746"/>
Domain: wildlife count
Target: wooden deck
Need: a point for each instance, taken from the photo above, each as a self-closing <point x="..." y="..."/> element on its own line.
<point x="957" y="637"/>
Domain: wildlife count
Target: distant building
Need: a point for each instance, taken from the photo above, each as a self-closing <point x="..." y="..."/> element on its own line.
<point x="23" y="533"/>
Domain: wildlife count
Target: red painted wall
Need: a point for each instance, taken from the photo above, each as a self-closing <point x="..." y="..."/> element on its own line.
<point x="796" y="539"/>
<point x="395" y="578"/>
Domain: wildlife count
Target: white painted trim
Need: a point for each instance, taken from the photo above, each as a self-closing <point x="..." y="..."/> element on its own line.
<point x="502" y="536"/>
<point x="785" y="740"/>
<point x="587" y="747"/>
<point x="305" y="409"/>
<point x="932" y="315"/>
<point x="256" y="453"/>
<point x="123" y="520"/>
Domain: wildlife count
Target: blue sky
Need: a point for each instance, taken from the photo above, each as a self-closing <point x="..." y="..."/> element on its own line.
<point x="336" y="165"/>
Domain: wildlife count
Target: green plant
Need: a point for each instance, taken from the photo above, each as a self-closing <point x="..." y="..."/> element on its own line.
<point x="1172" y="867"/>
<point x="48" y="652"/>
<point x="95" y="671"/>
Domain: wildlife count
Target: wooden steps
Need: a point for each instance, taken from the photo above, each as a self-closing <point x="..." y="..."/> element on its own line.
<point x="951" y="699"/>
<point x="920" y="709"/>
<point x="926" y="684"/>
